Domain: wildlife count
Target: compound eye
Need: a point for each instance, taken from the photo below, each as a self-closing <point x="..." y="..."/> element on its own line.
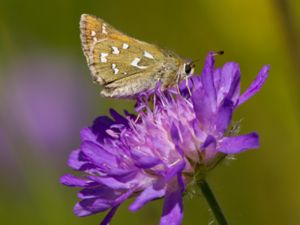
<point x="188" y="68"/>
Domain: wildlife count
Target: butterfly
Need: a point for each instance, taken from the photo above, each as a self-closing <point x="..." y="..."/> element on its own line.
<point x="125" y="66"/>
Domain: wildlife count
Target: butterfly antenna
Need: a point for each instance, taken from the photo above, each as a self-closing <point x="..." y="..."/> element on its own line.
<point x="221" y="52"/>
<point x="194" y="61"/>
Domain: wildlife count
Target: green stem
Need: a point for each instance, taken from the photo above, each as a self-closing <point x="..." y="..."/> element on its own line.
<point x="212" y="202"/>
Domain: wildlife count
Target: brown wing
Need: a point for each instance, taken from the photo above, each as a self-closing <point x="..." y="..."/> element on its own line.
<point x="112" y="55"/>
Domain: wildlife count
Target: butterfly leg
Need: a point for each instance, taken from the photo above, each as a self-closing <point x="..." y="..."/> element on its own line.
<point x="177" y="84"/>
<point x="187" y="86"/>
<point x="154" y="102"/>
<point x="137" y="118"/>
<point x="178" y="90"/>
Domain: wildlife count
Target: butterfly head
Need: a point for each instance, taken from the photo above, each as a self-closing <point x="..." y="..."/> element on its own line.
<point x="189" y="67"/>
<point x="186" y="70"/>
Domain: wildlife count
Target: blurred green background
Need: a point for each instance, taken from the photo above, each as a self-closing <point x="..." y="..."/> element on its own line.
<point x="47" y="96"/>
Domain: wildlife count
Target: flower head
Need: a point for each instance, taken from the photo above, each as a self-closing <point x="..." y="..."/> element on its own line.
<point x="158" y="154"/>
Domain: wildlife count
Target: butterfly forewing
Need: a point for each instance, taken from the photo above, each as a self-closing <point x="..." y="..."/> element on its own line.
<point x="114" y="62"/>
<point x="92" y="29"/>
<point x="112" y="55"/>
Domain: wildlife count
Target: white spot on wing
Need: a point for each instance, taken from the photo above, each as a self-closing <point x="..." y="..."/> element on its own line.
<point x="103" y="57"/>
<point x="115" y="50"/>
<point x="104" y="31"/>
<point x="135" y="63"/>
<point x="95" y="39"/>
<point x="93" y="33"/>
<point x="125" y="46"/>
<point x="114" y="68"/>
<point x="148" y="55"/>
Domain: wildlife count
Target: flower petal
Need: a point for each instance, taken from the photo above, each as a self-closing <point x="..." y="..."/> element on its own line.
<point x="99" y="127"/>
<point x="233" y="145"/>
<point x="72" y="181"/>
<point x="174" y="170"/>
<point x="256" y="85"/>
<point x="229" y="84"/>
<point x="224" y="116"/>
<point x="98" y="192"/>
<point x="217" y="78"/>
<point x="208" y="80"/>
<point x="91" y="206"/>
<point x="88" y="207"/>
<point x="119" y="119"/>
<point x="204" y="97"/>
<point x="154" y="191"/>
<point x="87" y="134"/>
<point x="210" y="141"/>
<point x="209" y="146"/>
<point x="173" y="209"/>
<point x="123" y="175"/>
<point x="109" y="182"/>
<point x="202" y="107"/>
<point x="175" y="134"/>
<point x="147" y="162"/>
<point x="109" y="216"/>
<point x="74" y="160"/>
<point x="98" y="155"/>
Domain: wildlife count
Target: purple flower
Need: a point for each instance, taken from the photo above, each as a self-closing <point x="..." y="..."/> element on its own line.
<point x="169" y="146"/>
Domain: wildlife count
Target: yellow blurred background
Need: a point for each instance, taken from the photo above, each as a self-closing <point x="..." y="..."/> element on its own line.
<point x="47" y="96"/>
